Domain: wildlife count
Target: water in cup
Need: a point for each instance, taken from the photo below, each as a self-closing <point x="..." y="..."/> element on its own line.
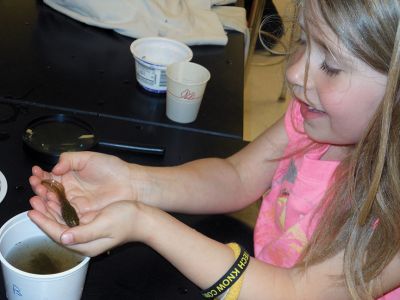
<point x="41" y="255"/>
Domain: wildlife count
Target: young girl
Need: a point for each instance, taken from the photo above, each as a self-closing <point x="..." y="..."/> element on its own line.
<point x="328" y="227"/>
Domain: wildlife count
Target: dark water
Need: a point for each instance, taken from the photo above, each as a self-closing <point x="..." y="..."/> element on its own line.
<point x="40" y="255"/>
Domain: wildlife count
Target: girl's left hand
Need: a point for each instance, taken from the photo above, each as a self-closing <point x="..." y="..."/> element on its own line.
<point x="99" y="231"/>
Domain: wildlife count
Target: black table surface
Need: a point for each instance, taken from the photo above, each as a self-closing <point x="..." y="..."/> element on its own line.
<point x="50" y="60"/>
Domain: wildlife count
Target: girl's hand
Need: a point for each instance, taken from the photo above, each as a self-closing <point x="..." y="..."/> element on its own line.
<point x="91" y="180"/>
<point x="99" y="231"/>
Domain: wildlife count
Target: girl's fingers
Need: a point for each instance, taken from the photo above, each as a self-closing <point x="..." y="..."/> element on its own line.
<point x="37" y="187"/>
<point x="61" y="167"/>
<point x="100" y="230"/>
<point x="71" y="161"/>
<point x="93" y="248"/>
<point x="50" y="209"/>
<point x="54" y="210"/>
<point x="51" y="196"/>
<point x="56" y="231"/>
<point x="48" y="225"/>
<point x="38" y="204"/>
<point x="88" y="217"/>
<point x="36" y="181"/>
<point x="40" y="174"/>
<point x="37" y="171"/>
<point x="92" y="228"/>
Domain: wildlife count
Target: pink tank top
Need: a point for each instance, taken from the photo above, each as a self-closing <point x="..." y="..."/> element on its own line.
<point x="285" y="222"/>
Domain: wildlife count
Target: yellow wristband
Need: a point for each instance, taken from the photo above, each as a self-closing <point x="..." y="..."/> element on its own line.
<point x="235" y="248"/>
<point x="232" y="276"/>
<point x="234" y="291"/>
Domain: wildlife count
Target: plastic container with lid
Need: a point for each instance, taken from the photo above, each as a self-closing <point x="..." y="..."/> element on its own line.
<point x="152" y="56"/>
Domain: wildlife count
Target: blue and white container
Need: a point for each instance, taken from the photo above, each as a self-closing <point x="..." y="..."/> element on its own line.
<point x="152" y="56"/>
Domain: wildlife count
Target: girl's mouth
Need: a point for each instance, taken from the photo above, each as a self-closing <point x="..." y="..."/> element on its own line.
<point x="308" y="112"/>
<point x="312" y="109"/>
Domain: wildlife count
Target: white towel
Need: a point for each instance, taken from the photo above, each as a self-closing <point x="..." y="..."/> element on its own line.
<point x="234" y="18"/>
<point x="193" y="22"/>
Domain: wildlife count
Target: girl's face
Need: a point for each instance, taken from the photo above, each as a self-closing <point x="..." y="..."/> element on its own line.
<point x="342" y="92"/>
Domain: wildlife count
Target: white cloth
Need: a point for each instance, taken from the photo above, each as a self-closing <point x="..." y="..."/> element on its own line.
<point x="232" y="18"/>
<point x="193" y="22"/>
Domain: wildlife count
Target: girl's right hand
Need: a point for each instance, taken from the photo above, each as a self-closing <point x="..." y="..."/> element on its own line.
<point x="91" y="180"/>
<point x="98" y="231"/>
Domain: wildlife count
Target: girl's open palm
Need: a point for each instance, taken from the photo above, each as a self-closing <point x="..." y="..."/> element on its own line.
<point x="91" y="180"/>
<point x="98" y="231"/>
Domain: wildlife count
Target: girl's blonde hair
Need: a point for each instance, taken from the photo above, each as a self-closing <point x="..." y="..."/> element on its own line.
<point x="362" y="209"/>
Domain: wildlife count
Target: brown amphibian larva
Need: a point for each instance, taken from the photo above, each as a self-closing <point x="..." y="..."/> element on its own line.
<point x="68" y="212"/>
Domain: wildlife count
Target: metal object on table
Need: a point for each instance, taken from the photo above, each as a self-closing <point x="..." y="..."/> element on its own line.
<point x="255" y="25"/>
<point x="47" y="137"/>
<point x="255" y="16"/>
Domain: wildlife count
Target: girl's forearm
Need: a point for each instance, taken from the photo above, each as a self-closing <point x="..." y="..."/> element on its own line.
<point x="200" y="186"/>
<point x="213" y="185"/>
<point x="201" y="259"/>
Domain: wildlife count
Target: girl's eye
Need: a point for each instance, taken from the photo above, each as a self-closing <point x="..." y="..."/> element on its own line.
<point x="329" y="70"/>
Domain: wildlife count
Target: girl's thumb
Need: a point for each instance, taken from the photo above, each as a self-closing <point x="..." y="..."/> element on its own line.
<point x="67" y="238"/>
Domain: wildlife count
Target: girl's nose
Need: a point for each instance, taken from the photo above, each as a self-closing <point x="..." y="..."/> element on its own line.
<point x="295" y="72"/>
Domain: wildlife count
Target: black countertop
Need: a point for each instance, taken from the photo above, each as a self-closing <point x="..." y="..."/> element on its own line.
<point x="51" y="60"/>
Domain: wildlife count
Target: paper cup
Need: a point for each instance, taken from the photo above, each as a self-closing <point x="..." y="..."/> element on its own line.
<point x="186" y="82"/>
<point x="67" y="285"/>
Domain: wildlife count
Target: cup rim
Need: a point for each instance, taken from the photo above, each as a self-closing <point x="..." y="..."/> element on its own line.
<point x="173" y="78"/>
<point x="135" y="43"/>
<point x="23" y="217"/>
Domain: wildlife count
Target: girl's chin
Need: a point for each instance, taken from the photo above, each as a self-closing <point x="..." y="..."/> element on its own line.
<point x="314" y="133"/>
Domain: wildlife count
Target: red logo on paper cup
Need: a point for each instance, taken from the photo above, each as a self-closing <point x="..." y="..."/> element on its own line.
<point x="188" y="95"/>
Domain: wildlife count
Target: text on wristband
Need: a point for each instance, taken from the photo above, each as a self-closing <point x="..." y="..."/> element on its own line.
<point x="227" y="282"/>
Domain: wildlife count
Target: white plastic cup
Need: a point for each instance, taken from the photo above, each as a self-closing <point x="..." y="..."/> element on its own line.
<point x="152" y="56"/>
<point x="22" y="285"/>
<point x="186" y="82"/>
